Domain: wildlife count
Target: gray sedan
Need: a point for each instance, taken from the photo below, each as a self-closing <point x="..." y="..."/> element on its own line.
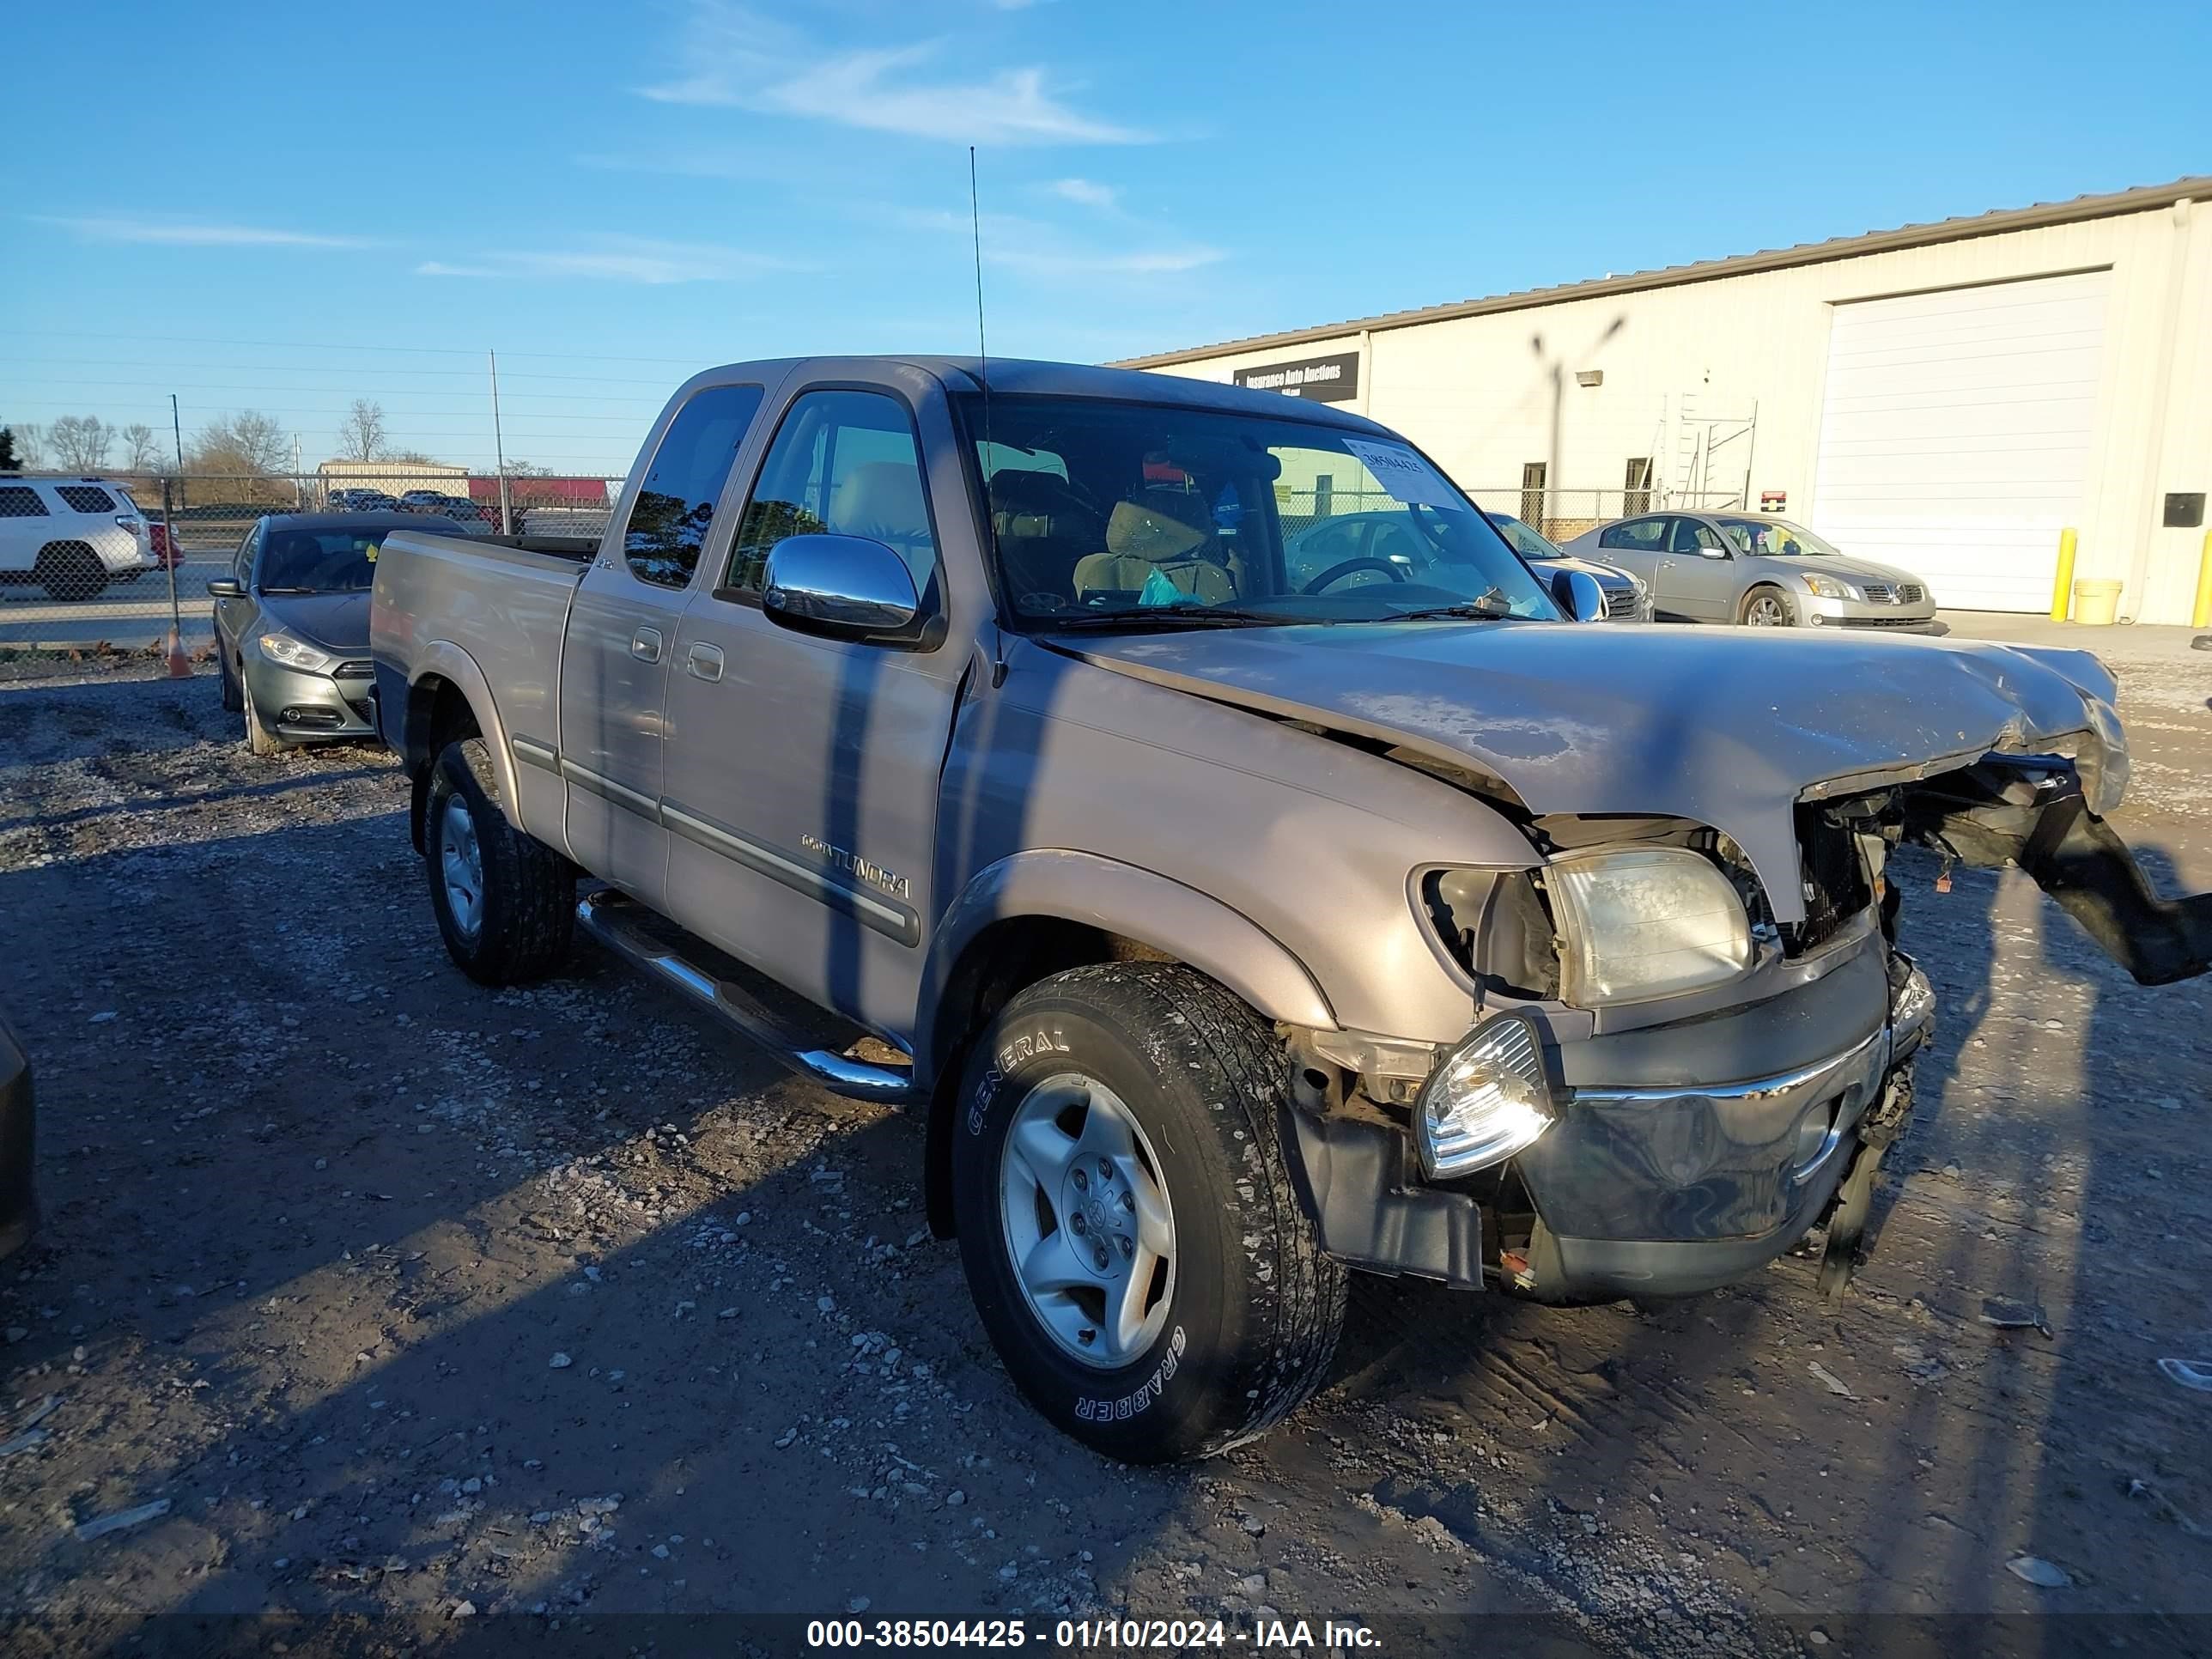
<point x="1762" y="572"/>
<point x="1372" y="547"/>
<point x="291" y="627"/>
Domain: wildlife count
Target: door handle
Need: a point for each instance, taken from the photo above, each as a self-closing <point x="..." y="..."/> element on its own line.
<point x="704" y="661"/>
<point x="644" y="645"/>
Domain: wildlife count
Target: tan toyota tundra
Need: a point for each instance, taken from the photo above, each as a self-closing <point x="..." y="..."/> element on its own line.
<point x="1236" y="917"/>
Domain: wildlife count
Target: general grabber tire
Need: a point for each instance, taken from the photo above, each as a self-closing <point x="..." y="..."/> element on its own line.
<point x="506" y="902"/>
<point x="1156" y="1071"/>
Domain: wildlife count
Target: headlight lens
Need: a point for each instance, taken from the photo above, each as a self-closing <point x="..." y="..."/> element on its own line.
<point x="2105" y="773"/>
<point x="1486" y="1102"/>
<point x="1639" y="922"/>
<point x="293" y="654"/>
<point x="1827" y="587"/>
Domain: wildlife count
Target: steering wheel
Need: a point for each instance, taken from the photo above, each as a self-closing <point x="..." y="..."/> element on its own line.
<point x="1344" y="568"/>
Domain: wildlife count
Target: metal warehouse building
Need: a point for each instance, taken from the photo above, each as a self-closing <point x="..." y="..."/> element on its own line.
<point x="1946" y="396"/>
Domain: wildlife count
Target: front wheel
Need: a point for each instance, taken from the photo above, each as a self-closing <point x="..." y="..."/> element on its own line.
<point x="1131" y="1235"/>
<point x="260" y="739"/>
<point x="1765" y="607"/>
<point x="506" y="902"/>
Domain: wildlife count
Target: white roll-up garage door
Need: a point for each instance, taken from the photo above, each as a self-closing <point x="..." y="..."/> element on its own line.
<point x="1954" y="434"/>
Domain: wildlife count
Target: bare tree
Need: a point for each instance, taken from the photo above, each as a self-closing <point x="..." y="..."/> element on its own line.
<point x="361" y="434"/>
<point x="30" y="447"/>
<point x="142" y="450"/>
<point x="245" y="443"/>
<point x="81" y="442"/>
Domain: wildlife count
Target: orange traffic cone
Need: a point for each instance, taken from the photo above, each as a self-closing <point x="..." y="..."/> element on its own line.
<point x="180" y="666"/>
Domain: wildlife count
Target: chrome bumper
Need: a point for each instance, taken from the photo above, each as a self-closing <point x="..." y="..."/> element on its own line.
<point x="1744" y="1166"/>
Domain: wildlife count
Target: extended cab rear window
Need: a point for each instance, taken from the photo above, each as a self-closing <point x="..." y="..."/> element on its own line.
<point x="675" y="502"/>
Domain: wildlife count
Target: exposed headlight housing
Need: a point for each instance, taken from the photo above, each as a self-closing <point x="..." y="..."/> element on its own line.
<point x="1827" y="587"/>
<point x="2105" y="767"/>
<point x="295" y="653"/>
<point x="1641" y="922"/>
<point x="1486" y="1102"/>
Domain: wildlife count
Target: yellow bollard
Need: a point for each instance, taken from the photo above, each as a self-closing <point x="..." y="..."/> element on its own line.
<point x="2063" y="589"/>
<point x="2200" y="615"/>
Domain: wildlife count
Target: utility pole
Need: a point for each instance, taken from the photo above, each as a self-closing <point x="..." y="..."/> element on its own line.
<point x="180" y="666"/>
<point x="499" y="450"/>
<point x="1557" y="368"/>
<point x="299" y="489"/>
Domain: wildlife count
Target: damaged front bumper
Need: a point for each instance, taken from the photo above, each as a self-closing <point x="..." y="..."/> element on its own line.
<point x="1650" y="1190"/>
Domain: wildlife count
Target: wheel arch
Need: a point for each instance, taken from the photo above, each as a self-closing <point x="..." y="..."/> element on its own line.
<point x="1039" y="912"/>
<point x="449" y="698"/>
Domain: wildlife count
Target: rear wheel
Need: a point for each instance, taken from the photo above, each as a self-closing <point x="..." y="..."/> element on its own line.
<point x="70" y="571"/>
<point x="506" y="902"/>
<point x="1131" y="1235"/>
<point x="1766" y="607"/>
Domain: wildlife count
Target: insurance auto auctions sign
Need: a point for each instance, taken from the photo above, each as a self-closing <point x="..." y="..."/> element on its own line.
<point x="1324" y="379"/>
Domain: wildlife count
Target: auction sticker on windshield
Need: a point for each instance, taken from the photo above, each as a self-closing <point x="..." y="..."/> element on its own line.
<point x="1406" y="475"/>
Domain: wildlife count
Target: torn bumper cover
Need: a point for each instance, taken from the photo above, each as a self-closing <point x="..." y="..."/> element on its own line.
<point x="2029" y="810"/>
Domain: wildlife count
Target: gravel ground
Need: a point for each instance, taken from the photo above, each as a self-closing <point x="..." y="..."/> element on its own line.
<point x="402" y="1302"/>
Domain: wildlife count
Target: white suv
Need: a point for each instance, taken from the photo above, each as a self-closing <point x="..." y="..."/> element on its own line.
<point x="72" y="535"/>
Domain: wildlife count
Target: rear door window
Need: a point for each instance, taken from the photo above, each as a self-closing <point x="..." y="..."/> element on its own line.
<point x="1637" y="535"/>
<point x="22" y="502"/>
<point x="675" y="504"/>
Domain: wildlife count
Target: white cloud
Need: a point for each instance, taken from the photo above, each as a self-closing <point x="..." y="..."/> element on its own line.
<point x="739" y="59"/>
<point x="174" y="233"/>
<point x="1085" y="193"/>
<point x="617" y="259"/>
<point x="1034" y="248"/>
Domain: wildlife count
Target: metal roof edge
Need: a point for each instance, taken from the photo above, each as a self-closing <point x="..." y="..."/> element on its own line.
<point x="2140" y="199"/>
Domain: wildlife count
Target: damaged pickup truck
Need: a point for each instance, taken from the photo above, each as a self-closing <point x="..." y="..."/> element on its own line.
<point x="1231" y="923"/>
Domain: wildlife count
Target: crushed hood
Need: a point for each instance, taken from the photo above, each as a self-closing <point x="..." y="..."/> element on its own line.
<point x="1726" y="727"/>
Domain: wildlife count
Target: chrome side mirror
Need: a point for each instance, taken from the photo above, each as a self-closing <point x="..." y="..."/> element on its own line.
<point x="845" y="587"/>
<point x="1579" y="594"/>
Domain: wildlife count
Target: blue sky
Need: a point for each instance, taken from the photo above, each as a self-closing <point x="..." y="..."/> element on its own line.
<point x="284" y="207"/>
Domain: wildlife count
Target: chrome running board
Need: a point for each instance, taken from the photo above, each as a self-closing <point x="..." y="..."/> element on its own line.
<point x="628" y="929"/>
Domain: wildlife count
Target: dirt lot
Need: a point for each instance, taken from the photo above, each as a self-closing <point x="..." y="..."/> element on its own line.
<point x="439" y="1311"/>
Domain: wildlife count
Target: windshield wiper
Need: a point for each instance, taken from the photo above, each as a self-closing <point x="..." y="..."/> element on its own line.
<point x="1176" y="615"/>
<point x="291" y="589"/>
<point x="1492" y="606"/>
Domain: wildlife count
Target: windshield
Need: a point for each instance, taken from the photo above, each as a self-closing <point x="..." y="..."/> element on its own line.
<point x="1776" y="539"/>
<point x="1525" y="542"/>
<point x="320" y="561"/>
<point x="1160" y="515"/>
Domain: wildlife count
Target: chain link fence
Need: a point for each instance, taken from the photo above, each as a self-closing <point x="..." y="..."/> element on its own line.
<point x="112" y="562"/>
<point x="87" y="563"/>
<point x="1559" y="514"/>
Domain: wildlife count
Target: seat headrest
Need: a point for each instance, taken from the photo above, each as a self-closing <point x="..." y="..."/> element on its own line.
<point x="1158" y="526"/>
<point x="883" y="500"/>
<point x="1039" y="505"/>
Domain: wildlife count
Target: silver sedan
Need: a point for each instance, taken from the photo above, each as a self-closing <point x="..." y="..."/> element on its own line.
<point x="1762" y="572"/>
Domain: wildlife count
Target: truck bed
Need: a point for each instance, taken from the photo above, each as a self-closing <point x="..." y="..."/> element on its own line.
<point x="486" y="614"/>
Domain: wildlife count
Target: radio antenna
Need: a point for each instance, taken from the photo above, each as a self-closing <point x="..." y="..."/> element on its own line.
<point x="983" y="377"/>
<point x="982" y="350"/>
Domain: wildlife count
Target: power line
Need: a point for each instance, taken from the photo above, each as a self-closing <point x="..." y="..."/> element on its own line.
<point x="312" y="369"/>
<point x="693" y="363"/>
<point x="333" y="391"/>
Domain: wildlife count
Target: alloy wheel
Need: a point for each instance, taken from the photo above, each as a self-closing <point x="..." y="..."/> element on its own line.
<point x="461" y="866"/>
<point x="1088" y="1224"/>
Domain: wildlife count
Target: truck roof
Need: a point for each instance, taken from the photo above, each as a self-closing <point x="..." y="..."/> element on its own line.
<point x="1013" y="376"/>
